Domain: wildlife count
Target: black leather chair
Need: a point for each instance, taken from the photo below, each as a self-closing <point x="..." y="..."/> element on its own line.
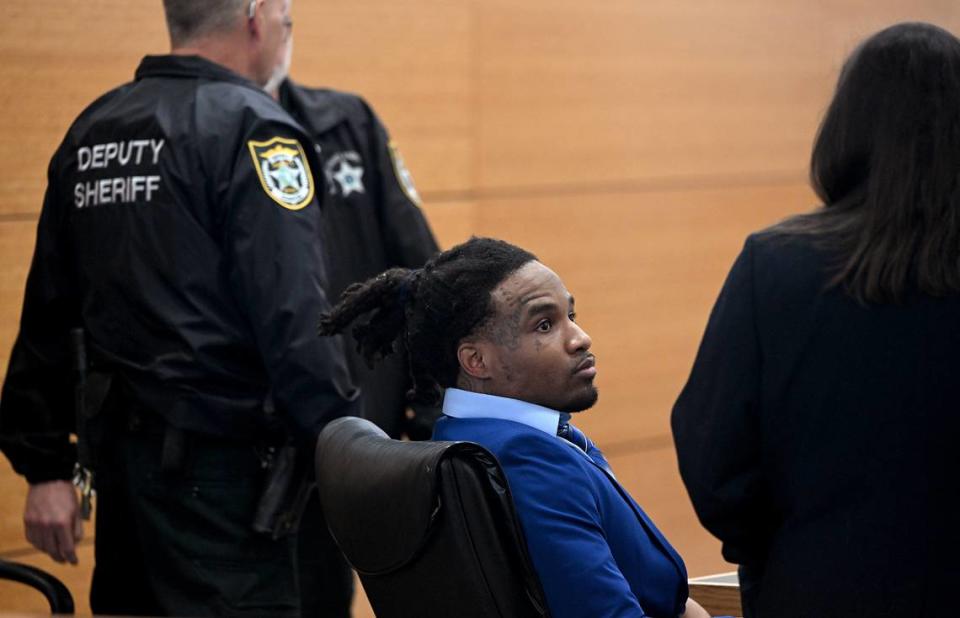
<point x="58" y="596"/>
<point x="429" y="526"/>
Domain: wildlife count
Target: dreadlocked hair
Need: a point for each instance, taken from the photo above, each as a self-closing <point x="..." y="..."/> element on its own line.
<point x="384" y="297"/>
<point x="433" y="309"/>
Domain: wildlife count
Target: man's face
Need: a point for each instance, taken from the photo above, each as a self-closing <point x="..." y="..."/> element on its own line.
<point x="533" y="349"/>
<point x="277" y="41"/>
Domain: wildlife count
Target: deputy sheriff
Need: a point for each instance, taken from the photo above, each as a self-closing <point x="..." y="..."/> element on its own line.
<point x="372" y="221"/>
<point x="177" y="257"/>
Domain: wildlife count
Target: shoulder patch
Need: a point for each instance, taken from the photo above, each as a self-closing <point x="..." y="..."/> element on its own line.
<point x="403" y="174"/>
<point x="283" y="171"/>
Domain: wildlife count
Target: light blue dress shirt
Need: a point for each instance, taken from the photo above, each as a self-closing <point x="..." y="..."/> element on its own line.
<point x="466" y="404"/>
<point x="463" y="404"/>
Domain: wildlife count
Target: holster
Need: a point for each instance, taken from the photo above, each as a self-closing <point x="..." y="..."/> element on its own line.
<point x="91" y="388"/>
<point x="89" y="430"/>
<point x="286" y="489"/>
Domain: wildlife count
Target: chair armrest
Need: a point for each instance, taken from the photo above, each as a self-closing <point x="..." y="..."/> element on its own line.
<point x="57" y="594"/>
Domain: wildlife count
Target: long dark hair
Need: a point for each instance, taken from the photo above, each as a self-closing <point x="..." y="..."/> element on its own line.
<point x="434" y="308"/>
<point x="886" y="164"/>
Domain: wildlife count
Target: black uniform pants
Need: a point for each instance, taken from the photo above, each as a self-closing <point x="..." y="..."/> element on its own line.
<point x="179" y="542"/>
<point x="326" y="580"/>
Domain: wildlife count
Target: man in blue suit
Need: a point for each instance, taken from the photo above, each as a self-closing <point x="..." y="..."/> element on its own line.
<point x="494" y="330"/>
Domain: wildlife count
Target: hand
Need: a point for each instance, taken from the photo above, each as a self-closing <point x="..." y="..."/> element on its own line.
<point x="694" y="610"/>
<point x="51" y="520"/>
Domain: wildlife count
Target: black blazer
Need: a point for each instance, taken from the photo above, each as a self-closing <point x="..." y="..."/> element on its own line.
<point x="818" y="439"/>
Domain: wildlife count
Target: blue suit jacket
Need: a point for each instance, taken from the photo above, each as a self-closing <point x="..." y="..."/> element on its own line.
<point x="596" y="552"/>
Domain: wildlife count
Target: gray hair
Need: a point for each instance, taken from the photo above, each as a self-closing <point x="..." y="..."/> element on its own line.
<point x="188" y="20"/>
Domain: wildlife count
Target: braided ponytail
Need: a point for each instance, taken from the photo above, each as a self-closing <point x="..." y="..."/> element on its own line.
<point x="387" y="296"/>
<point x="430" y="310"/>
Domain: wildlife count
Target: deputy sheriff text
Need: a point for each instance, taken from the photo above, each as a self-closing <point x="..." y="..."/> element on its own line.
<point x="121" y="188"/>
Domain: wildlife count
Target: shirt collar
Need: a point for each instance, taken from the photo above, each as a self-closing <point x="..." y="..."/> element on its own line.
<point x="317" y="109"/>
<point x="191" y="67"/>
<point x="466" y="404"/>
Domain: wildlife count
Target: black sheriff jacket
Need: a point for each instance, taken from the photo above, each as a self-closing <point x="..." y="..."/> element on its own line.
<point x="179" y="229"/>
<point x="372" y="221"/>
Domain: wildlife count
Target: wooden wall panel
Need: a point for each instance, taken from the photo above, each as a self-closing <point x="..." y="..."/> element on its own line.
<point x="645" y="269"/>
<point x="14" y="490"/>
<point x="451" y="222"/>
<point x="56" y="58"/>
<point x="16" y="250"/>
<point x="412" y="61"/>
<point x="596" y="93"/>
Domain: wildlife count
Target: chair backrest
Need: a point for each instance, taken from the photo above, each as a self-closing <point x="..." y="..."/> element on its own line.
<point x="58" y="596"/>
<point x="429" y="526"/>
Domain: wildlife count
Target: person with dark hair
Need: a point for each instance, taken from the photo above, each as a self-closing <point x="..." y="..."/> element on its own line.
<point x="491" y="332"/>
<point x="816" y="432"/>
<point x="174" y="289"/>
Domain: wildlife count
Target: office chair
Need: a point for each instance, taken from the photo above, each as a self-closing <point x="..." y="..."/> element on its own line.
<point x="58" y="596"/>
<point x="430" y="527"/>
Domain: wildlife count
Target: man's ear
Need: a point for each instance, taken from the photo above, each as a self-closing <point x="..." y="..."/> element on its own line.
<point x="254" y="15"/>
<point x="473" y="361"/>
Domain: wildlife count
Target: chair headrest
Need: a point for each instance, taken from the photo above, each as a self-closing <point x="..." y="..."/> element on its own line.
<point x="379" y="496"/>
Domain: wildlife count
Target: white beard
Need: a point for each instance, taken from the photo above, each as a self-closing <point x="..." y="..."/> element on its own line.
<point x="280" y="72"/>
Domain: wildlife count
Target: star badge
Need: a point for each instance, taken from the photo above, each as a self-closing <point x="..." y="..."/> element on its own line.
<point x="349" y="178"/>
